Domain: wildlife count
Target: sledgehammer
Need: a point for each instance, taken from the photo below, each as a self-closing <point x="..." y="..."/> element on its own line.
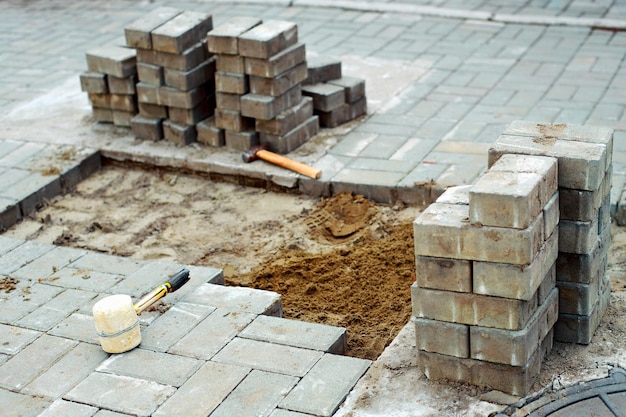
<point x="115" y="316"/>
<point x="259" y="152"/>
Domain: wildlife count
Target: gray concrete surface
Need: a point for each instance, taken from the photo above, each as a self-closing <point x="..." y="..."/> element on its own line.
<point x="444" y="79"/>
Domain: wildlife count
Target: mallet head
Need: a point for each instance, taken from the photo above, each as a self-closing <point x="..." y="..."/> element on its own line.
<point x="250" y="155"/>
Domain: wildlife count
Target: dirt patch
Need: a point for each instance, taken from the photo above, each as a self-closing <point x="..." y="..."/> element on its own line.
<point x="8" y="284"/>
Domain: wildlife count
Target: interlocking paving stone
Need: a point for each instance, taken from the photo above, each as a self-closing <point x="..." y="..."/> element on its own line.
<point x="26" y="300"/>
<point x="21" y="255"/>
<point x="15" y="338"/>
<point x="140" y="397"/>
<point x="19" y="405"/>
<point x="62" y="408"/>
<point x="48" y="263"/>
<point x="55" y="310"/>
<point x="237" y="299"/>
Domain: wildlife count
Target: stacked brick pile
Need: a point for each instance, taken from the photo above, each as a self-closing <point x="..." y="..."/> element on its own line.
<point x="260" y="68"/>
<point x="176" y="75"/>
<point x="110" y="84"/>
<point x="585" y="170"/>
<point x="484" y="300"/>
<point x="337" y="99"/>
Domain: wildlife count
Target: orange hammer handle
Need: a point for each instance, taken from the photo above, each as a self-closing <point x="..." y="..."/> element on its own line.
<point x="290" y="164"/>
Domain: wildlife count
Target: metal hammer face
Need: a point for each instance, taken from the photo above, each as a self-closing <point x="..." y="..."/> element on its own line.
<point x="251" y="154"/>
<point x="259" y="152"/>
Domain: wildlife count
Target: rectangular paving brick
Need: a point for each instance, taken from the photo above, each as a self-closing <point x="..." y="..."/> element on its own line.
<point x="56" y="310"/>
<point x="114" y="392"/>
<point x="326" y="97"/>
<point x="75" y="365"/>
<point x="515" y="281"/>
<point x="224" y="39"/>
<point x="323" y="69"/>
<point x="268" y="389"/>
<point x="212" y="334"/>
<point x="324" y="388"/>
<point x="78" y="326"/>
<point x="268" y="107"/>
<point x="241" y="141"/>
<point x="452" y="236"/>
<point x="15" y="338"/>
<point x="184" y="61"/>
<point x="9" y="212"/>
<point x="230" y="63"/>
<point x="228" y="101"/>
<point x="49" y="263"/>
<point x="583" y="205"/>
<point x="173" y="97"/>
<point x="147" y="128"/>
<point x="267" y="39"/>
<point x="18" y="371"/>
<point x="282" y="331"/>
<point x="578" y="237"/>
<point x="145" y="364"/>
<point x="354" y="88"/>
<point x="22" y="405"/>
<point x="209" y="134"/>
<point x="580" y="268"/>
<point x="178" y="133"/>
<point x="580" y="299"/>
<point x="150" y="74"/>
<point x="443" y="274"/>
<point x="28" y="299"/>
<point x="293" y="139"/>
<point x="188" y="80"/>
<point x="214" y="380"/>
<point x="181" y="32"/>
<point x="94" y="82"/>
<point x="62" y="408"/>
<point x="551" y="215"/>
<point x="137" y="33"/>
<point x="112" y="60"/>
<point x="231" y="82"/>
<point x="33" y="190"/>
<point x="288" y="119"/>
<point x="122" y="85"/>
<point x="152" y="111"/>
<point x="277" y="64"/>
<point x="102" y="262"/>
<point x="280" y="84"/>
<point x="268" y="357"/>
<point x="450" y="339"/>
<point x="232" y="120"/>
<point x="189" y="117"/>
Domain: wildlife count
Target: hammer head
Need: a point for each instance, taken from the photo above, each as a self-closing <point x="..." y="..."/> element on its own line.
<point x="250" y="155"/>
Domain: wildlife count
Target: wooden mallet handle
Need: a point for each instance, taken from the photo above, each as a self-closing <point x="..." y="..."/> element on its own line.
<point x="282" y="161"/>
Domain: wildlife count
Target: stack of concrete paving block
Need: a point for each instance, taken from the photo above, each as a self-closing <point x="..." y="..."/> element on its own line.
<point x="110" y="84"/>
<point x="484" y="300"/>
<point x="585" y="171"/>
<point x="337" y="99"/>
<point x="176" y="73"/>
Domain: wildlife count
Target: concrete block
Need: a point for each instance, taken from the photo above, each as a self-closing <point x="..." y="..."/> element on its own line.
<point x="276" y="64"/>
<point x="224" y="39"/>
<point x="546" y="287"/>
<point x="228" y="101"/>
<point x="32" y="191"/>
<point x="452" y="236"/>
<point x="288" y="119"/>
<point x="472" y="309"/>
<point x="581" y="165"/>
<point x="75" y="365"/>
<point x="293" y="139"/>
<point x="188" y="80"/>
<point x="551" y="215"/>
<point x="102" y="101"/>
<point x="268" y="107"/>
<point x="78" y="326"/>
<point x="455" y="195"/>
<point x="145" y="128"/>
<point x="147" y="93"/>
<point x="580" y="299"/>
<point x="122" y="85"/>
<point x="189" y="117"/>
<point x="184" y="61"/>
<point x="9" y="212"/>
<point x="577" y="237"/>
<point x="322" y="69"/>
<point x="280" y="84"/>
<point x="145" y="364"/>
<point x="506" y="199"/>
<point x="56" y="310"/>
<point x="209" y="134"/>
<point x="353" y="87"/>
<point x="214" y="380"/>
<point x="322" y="337"/>
<point x="230" y="63"/>
<point x="230" y="82"/>
<point x="102" y="115"/>
<point x="150" y="74"/>
<point x="582" y="205"/>
<point x="102" y="262"/>
<point x="179" y="134"/>
<point x="268" y="39"/>
<point x="112" y="60"/>
<point x="15" y="341"/>
<point x="238" y="299"/>
<point x="173" y="97"/>
<point x="152" y="111"/>
<point x="515" y="281"/>
<point x="443" y="274"/>
<point x="339" y="375"/>
<point x="137" y="33"/>
<point x="326" y="97"/>
<point x="123" y="102"/>
<point x="93" y="82"/>
<point x="442" y="337"/>
<point x="266" y="388"/>
<point x="25" y="405"/>
<point x="123" y="118"/>
<point x="571" y="328"/>
<point x="87" y="280"/>
<point x="18" y="371"/>
<point x="358" y="108"/>
<point x="98" y="388"/>
<point x="241" y="141"/>
<point x="232" y="120"/>
<point x="181" y="32"/>
<point x="62" y="408"/>
<point x="334" y="117"/>
<point x="514" y="348"/>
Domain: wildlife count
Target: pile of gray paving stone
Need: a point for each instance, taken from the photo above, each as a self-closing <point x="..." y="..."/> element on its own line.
<point x="244" y="83"/>
<point x="516" y="260"/>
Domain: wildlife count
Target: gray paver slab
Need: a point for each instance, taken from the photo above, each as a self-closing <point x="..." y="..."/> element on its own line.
<point x="108" y="263"/>
<point x="120" y="393"/>
<point x="286" y="413"/>
<point x="204" y="391"/>
<point x="15" y="338"/>
<point x="21" y="255"/>
<point x="153" y="366"/>
<point x="19" y="405"/>
<point x="78" y="326"/>
<point x="247" y="300"/>
<point x="62" y="408"/>
<point x="57" y="309"/>
<point x="26" y="300"/>
<point x="325" y="387"/>
<point x="84" y="279"/>
<point x="7" y="243"/>
<point x="297" y="333"/>
<point x="269" y="357"/>
<point x="268" y="389"/>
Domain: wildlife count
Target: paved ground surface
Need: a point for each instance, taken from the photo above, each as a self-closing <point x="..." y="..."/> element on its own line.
<point x="444" y="78"/>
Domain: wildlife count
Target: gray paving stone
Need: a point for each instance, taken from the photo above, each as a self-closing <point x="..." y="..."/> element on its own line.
<point x="62" y="408"/>
<point x="9" y="212"/>
<point x="48" y="263"/>
<point x="15" y="338"/>
<point x="146" y="278"/>
<point x="26" y="300"/>
<point x="19" y="405"/>
<point x="153" y="366"/>
<point x="286" y="413"/>
<point x="55" y="310"/>
<point x="237" y="299"/>
<point x="20" y="155"/>
<point x="83" y="279"/>
<point x="172" y="325"/>
<point x="297" y="333"/>
<point x="79" y="327"/>
<point x="71" y="368"/>
<point x="21" y="255"/>
<point x="120" y="393"/>
<point x="214" y="381"/>
<point x="324" y="388"/>
<point x="107" y="413"/>
<point x="268" y="389"/>
<point x="7" y="243"/>
<point x="269" y="357"/>
<point x="45" y="351"/>
<point x="101" y="262"/>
